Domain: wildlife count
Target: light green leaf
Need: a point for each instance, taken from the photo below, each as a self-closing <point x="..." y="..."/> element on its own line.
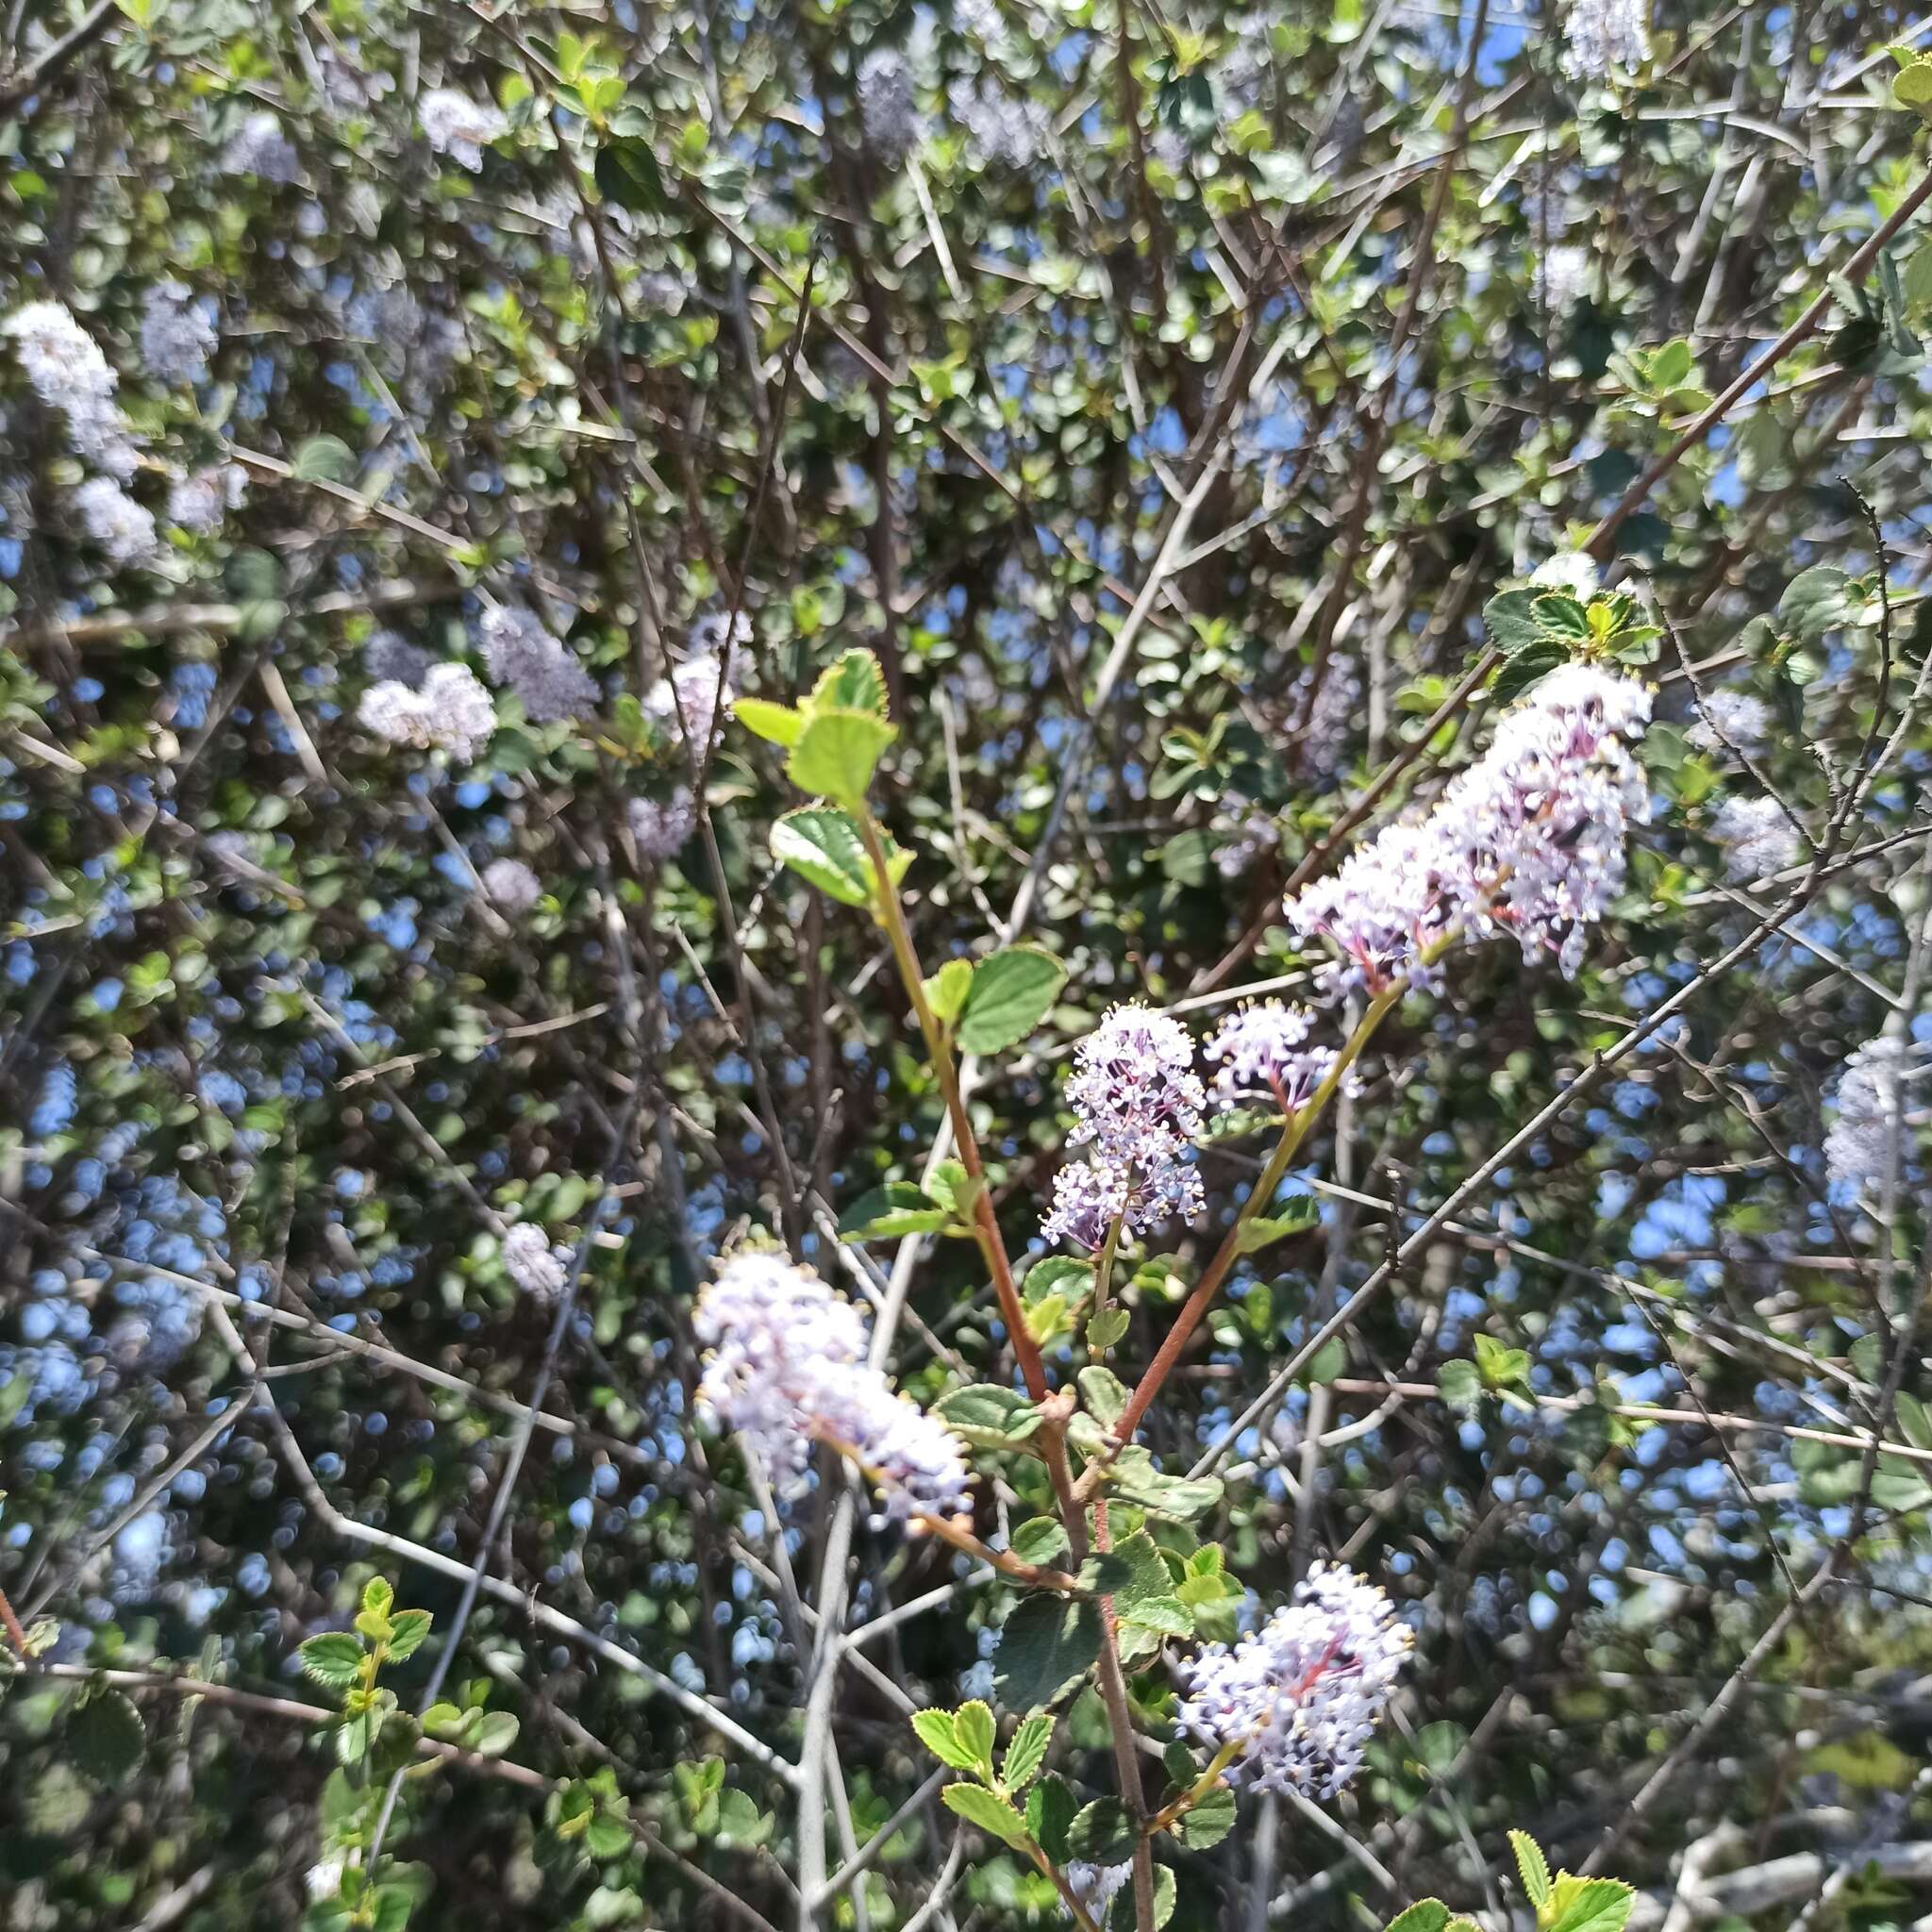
<point x="975" y="1729"/>
<point x="1104" y="1394"/>
<point x="1027" y="1751"/>
<point x="1534" y="1867"/>
<point x="334" y="1659"/>
<point x="1585" y="1904"/>
<point x="990" y="1812"/>
<point x="824" y="847"/>
<point x="780" y="723"/>
<point x="1426" y="1915"/>
<point x="888" y="1212"/>
<point x="987" y="1415"/>
<point x="939" y="1734"/>
<point x="837" y="754"/>
<point x="1011" y="992"/>
<point x="946" y="991"/>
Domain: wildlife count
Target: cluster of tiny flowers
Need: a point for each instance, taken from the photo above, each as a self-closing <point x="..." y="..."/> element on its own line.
<point x="1094" y="1885"/>
<point x="1263" y="1050"/>
<point x="1735" y="718"/>
<point x="1252" y="833"/>
<point x="1572" y="570"/>
<point x="1301" y="1696"/>
<point x="1528" y="840"/>
<point x="199" y="501"/>
<point x="1139" y="1102"/>
<point x="66" y="370"/>
<point x="708" y="677"/>
<point x="1005" y="132"/>
<point x="176" y="337"/>
<point x="390" y="658"/>
<point x="1758" y="837"/>
<point x="459" y="127"/>
<point x="531" y="1262"/>
<point x="886" y="103"/>
<point x="324" y="1879"/>
<point x="1603" y="34"/>
<point x="1857" y="1148"/>
<point x="260" y="148"/>
<point x="661" y="829"/>
<point x="118" y="527"/>
<point x="1562" y="276"/>
<point x="453" y="711"/>
<point x="510" y="884"/>
<point x="538" y="668"/>
<point x="786" y="1367"/>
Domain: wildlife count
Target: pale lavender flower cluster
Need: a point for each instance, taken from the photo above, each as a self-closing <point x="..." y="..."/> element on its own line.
<point x="1603" y="34"/>
<point x="1562" y="276"/>
<point x="1301" y="1696"/>
<point x="1857" y="1148"/>
<point x="510" y="884"/>
<point x="452" y="711"/>
<point x="118" y="527"/>
<point x="886" y="104"/>
<point x="710" y="676"/>
<point x="1263" y="1050"/>
<point x="459" y="127"/>
<point x="1007" y="131"/>
<point x="260" y="147"/>
<point x="1139" y="1102"/>
<point x="1730" y="718"/>
<point x="660" y="827"/>
<point x="531" y="1262"/>
<point x="1094" y="1885"/>
<point x="390" y="658"/>
<point x="177" y="336"/>
<point x="1758" y="837"/>
<point x="66" y="370"/>
<point x="199" y="501"/>
<point x="1528" y="840"/>
<point x="538" y="668"/>
<point x="786" y="1367"/>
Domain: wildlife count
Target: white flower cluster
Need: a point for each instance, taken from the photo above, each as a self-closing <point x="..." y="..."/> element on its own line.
<point x="1263" y="1051"/>
<point x="116" y="525"/>
<point x="1007" y="132"/>
<point x="660" y="827"/>
<point x="1094" y="1885"/>
<point x="1562" y="276"/>
<point x="887" y="107"/>
<point x="786" y="1367"/>
<point x="1302" y="1695"/>
<point x="1857" y="1148"/>
<point x="260" y="147"/>
<point x="453" y="711"/>
<point x="1758" y="835"/>
<point x="511" y="885"/>
<point x="538" y="668"/>
<point x="67" y="371"/>
<point x="459" y="127"/>
<point x="1139" y="1102"/>
<point x="1603" y="34"/>
<point x="199" y="501"/>
<point x="177" y="336"/>
<point x="1528" y="840"/>
<point x="708" y="677"/>
<point x="1736" y="718"/>
<point x="531" y="1262"/>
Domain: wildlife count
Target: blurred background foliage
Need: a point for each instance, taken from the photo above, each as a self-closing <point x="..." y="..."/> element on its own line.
<point x="1162" y="390"/>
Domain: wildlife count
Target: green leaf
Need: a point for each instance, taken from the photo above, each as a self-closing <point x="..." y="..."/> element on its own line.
<point x="1119" y="1914"/>
<point x="1298" y="1214"/>
<point x="1527" y="666"/>
<point x="1027" y="1751"/>
<point x="1062" y="1275"/>
<point x="324" y="459"/>
<point x="378" y="1597"/>
<point x="939" y="1734"/>
<point x="1104" y="1394"/>
<point x="1533" y="1866"/>
<point x="824" y="847"/>
<point x="1426" y="1915"/>
<point x="1461" y="1386"/>
<point x="837" y="754"/>
<point x="1011" y="992"/>
<point x="1209" y="1822"/>
<point x="494" y="1734"/>
<point x="1327" y="1361"/>
<point x="1103" y="1833"/>
<point x="1585" y="1904"/>
<point x="626" y="173"/>
<point x="990" y="1812"/>
<point x="1040" y="1539"/>
<point x="741" y="1824"/>
<point x="780" y="723"/>
<point x="1048" y="1646"/>
<point x="106" y="1737"/>
<point x="1133" y="1573"/>
<point x="888" y="1212"/>
<point x="1107" y="1329"/>
<point x="406" y="1632"/>
<point x="988" y="1416"/>
<point x="946" y="991"/>
<point x="975" y="1729"/>
<point x="334" y="1659"/>
<point x="1135" y="1480"/>
<point x="1051" y="1808"/>
<point x="1815" y="601"/>
<point x="1509" y="617"/>
<point x="1911" y="87"/>
<point x="855" y="683"/>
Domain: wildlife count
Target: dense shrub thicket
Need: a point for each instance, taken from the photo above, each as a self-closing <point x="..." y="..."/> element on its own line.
<point x="870" y="863"/>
